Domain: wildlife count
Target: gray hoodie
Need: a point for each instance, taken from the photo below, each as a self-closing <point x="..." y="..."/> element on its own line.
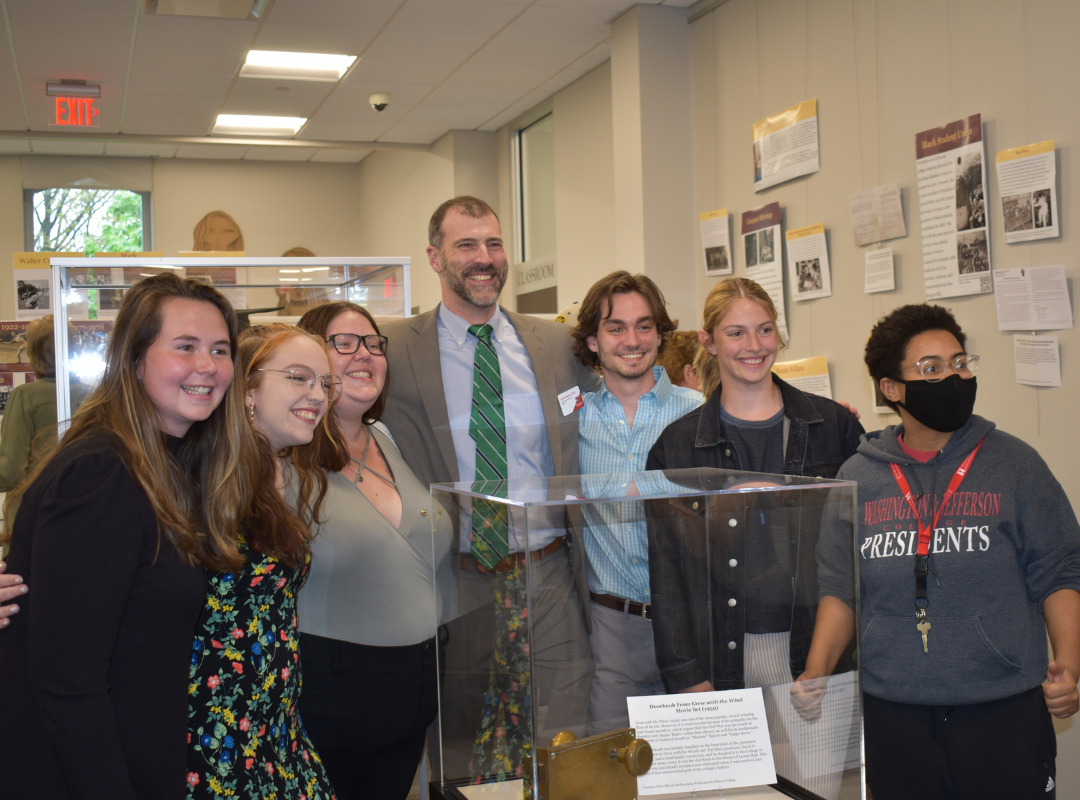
<point x="1005" y="541"/>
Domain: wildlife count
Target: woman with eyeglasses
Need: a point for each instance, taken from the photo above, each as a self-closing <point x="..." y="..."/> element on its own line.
<point x="969" y="555"/>
<point x="368" y="611"/>
<point x="245" y="737"/>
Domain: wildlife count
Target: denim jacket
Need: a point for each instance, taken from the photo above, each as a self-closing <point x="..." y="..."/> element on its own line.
<point x="697" y="549"/>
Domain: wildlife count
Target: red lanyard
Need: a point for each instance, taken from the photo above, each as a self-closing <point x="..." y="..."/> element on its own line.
<point x="954" y="484"/>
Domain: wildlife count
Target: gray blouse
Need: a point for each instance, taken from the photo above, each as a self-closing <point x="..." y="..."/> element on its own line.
<point x="371" y="583"/>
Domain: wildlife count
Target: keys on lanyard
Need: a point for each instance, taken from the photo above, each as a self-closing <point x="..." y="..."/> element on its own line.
<point x="925" y="530"/>
<point x="923" y="628"/>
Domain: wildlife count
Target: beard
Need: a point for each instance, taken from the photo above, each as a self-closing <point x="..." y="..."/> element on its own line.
<point x="480" y="296"/>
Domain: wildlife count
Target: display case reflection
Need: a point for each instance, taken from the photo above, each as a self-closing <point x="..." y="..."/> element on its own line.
<point x="732" y="564"/>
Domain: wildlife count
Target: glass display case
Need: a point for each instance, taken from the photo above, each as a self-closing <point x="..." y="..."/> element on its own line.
<point x="88" y="292"/>
<point x="589" y="590"/>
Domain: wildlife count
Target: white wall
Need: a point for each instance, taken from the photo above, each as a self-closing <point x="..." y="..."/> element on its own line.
<point x="584" y="184"/>
<point x="11" y="229"/>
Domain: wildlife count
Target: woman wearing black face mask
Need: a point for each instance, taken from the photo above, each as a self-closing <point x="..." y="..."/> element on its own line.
<point x="969" y="555"/>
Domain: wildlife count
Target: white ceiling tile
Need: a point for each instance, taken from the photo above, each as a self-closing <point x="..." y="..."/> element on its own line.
<point x="442" y="17"/>
<point x="279" y="153"/>
<point x="487" y="76"/>
<point x="463" y="97"/>
<point x="67" y="147"/>
<point x="609" y="7"/>
<point x="79" y="61"/>
<point x="678" y="3"/>
<point x="398" y="47"/>
<point x="187" y="60"/>
<point x="168" y="124"/>
<point x="141" y="149"/>
<point x="179" y="84"/>
<point x="517" y="51"/>
<point x="340" y="13"/>
<point x="71" y="6"/>
<point x="388" y="68"/>
<point x="516" y="110"/>
<point x="340" y="156"/>
<point x="57" y="30"/>
<point x="343" y="131"/>
<point x="450" y="117"/>
<point x="260" y="96"/>
<point x="336" y="39"/>
<point x="561" y="24"/>
<point x="415" y="132"/>
<point x="201" y="33"/>
<point x="164" y="104"/>
<point x="14" y="145"/>
<point x="216" y="151"/>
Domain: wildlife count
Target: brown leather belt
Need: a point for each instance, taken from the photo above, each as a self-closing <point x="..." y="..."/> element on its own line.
<point x="643" y="610"/>
<point x="511" y="562"/>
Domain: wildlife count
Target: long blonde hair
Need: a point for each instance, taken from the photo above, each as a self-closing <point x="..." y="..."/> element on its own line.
<point x="202" y="497"/>
<point x="720" y="300"/>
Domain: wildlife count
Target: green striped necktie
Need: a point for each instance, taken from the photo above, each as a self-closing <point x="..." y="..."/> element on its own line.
<point x="487" y="426"/>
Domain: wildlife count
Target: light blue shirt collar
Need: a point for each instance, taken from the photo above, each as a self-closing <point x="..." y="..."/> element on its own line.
<point x="661" y="389"/>
<point x="458" y="328"/>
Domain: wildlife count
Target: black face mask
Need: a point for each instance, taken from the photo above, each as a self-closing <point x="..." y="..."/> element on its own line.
<point x="944" y="406"/>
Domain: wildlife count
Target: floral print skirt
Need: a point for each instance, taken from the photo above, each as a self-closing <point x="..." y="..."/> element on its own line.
<point x="245" y="737"/>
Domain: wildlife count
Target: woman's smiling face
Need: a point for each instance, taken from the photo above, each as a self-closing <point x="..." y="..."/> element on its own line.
<point x="362" y="374"/>
<point x="745" y="343"/>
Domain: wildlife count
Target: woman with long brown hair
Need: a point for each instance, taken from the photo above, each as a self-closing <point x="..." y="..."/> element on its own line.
<point x="114" y="531"/>
<point x="368" y="614"/>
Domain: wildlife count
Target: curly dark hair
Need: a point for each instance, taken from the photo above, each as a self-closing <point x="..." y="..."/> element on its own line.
<point x="619" y="282"/>
<point x="889" y="339"/>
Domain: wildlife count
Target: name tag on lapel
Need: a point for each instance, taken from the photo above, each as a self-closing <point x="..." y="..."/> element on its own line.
<point x="570" y="401"/>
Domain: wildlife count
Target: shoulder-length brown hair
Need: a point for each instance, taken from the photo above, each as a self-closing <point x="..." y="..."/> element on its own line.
<point x="202" y="497"/>
<point x="318" y="319"/>
<point x="326" y="451"/>
<point x="603" y="291"/>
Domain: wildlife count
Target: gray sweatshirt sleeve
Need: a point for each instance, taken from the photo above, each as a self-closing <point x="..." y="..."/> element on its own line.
<point x="836" y="543"/>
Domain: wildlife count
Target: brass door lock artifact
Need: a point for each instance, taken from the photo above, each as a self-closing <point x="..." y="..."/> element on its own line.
<point x="600" y="767"/>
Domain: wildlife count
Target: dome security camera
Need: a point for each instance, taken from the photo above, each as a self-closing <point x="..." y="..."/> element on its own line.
<point x="380" y="101"/>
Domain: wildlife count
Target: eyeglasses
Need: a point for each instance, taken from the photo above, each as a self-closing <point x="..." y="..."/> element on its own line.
<point x="934" y="369"/>
<point x="349" y="343"/>
<point x="303" y="381"/>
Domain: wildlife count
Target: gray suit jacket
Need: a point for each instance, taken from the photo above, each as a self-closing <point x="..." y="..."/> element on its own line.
<point x="416" y="411"/>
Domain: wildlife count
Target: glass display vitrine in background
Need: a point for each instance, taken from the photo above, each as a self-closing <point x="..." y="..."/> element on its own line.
<point x="88" y="293"/>
<point x="733" y="563"/>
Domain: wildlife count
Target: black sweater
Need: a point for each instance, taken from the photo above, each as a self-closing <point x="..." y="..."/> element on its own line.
<point x="94" y="669"/>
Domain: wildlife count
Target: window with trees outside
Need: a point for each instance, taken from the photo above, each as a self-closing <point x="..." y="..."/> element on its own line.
<point x="89" y="221"/>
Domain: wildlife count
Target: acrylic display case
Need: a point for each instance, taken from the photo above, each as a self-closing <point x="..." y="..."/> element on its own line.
<point x="88" y="292"/>
<point x="729" y="569"/>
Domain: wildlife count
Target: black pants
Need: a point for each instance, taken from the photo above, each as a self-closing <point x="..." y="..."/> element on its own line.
<point x="1000" y="749"/>
<point x="366" y="710"/>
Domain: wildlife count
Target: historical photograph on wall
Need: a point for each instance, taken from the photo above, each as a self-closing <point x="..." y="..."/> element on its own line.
<point x="1027" y="177"/>
<point x="950" y="163"/>
<point x="764" y="264"/>
<point x="715" y="242"/>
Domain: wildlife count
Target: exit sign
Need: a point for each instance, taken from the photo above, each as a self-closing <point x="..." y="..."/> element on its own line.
<point x="76" y="111"/>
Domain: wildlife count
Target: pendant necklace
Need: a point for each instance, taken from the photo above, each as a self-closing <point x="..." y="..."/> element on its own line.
<point x="361" y="465"/>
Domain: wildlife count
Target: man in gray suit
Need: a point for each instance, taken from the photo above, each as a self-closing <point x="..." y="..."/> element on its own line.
<point x="430" y="360"/>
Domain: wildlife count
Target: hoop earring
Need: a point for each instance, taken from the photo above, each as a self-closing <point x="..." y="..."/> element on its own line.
<point x="251" y="413"/>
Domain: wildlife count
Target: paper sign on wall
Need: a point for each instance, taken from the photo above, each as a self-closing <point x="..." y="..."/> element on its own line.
<point x="761" y="244"/>
<point x="1032" y="299"/>
<point x="715" y="226"/>
<point x="877" y="215"/>
<point x="808" y="263"/>
<point x="1026" y="182"/>
<point x="880" y="275"/>
<point x="786" y="145"/>
<point x="952" y="203"/>
<point x="810" y="375"/>
<point x="1037" y="360"/>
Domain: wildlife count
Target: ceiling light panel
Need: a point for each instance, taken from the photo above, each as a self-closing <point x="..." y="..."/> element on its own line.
<point x="246" y="124"/>
<point x="295" y="66"/>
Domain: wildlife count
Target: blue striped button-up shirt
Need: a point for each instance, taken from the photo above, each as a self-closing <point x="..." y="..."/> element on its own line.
<point x="609" y="451"/>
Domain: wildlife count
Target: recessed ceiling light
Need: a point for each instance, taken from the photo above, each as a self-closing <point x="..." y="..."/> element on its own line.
<point x="295" y="66"/>
<point x="258" y="126"/>
<point x="288" y="270"/>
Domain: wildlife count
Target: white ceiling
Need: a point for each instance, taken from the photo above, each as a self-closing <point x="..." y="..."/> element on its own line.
<point x="450" y="64"/>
